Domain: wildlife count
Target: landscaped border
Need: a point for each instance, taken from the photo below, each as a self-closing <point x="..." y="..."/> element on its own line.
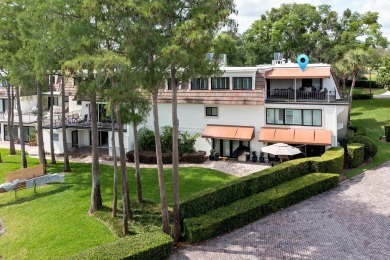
<point x="222" y="195"/>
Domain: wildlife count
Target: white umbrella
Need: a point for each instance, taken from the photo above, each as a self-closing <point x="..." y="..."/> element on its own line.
<point x="280" y="149"/>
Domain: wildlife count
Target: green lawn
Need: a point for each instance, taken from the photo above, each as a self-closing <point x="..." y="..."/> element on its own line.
<point x="370" y="116"/>
<point x="374" y="91"/>
<point x="55" y="221"/>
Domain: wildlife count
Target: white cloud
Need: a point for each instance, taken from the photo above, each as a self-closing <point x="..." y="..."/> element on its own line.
<point x="251" y="10"/>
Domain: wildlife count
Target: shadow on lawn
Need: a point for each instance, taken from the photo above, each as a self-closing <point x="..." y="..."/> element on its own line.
<point x="37" y="196"/>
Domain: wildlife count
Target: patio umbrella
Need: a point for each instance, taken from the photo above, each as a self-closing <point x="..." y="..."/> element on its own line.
<point x="280" y="149"/>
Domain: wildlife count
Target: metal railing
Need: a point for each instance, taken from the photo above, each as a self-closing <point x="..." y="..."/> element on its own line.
<point x="313" y="96"/>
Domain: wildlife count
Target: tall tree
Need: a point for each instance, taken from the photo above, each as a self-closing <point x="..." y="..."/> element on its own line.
<point x="190" y="38"/>
<point x="21" y="129"/>
<point x="319" y="32"/>
<point x="51" y="86"/>
<point x="10" y="118"/>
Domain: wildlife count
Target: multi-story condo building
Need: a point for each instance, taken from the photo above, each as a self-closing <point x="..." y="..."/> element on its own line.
<point x="245" y="106"/>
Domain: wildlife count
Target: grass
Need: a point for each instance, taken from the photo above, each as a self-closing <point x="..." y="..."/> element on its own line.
<point x="370" y="117"/>
<point x="374" y="91"/>
<point x="55" y="222"/>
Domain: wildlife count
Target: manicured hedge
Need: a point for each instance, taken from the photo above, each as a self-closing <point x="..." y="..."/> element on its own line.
<point x="331" y="161"/>
<point x="362" y="96"/>
<point x="227" y="193"/>
<point x="370" y="148"/>
<point x="355" y="155"/>
<point x="245" y="211"/>
<point x="387" y="133"/>
<point x="154" y="245"/>
<point x="149" y="157"/>
<point x="198" y="157"/>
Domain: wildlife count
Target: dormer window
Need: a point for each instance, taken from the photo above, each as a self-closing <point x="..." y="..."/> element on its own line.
<point x="220" y="83"/>
<point x="199" y="84"/>
<point x="242" y="83"/>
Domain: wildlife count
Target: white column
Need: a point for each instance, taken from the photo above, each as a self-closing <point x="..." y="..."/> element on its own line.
<point x="295" y="90"/>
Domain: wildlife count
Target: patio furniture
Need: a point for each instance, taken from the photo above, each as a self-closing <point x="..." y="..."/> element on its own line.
<point x="280" y="149"/>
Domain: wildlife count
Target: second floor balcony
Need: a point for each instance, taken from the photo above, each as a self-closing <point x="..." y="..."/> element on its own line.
<point x="323" y="96"/>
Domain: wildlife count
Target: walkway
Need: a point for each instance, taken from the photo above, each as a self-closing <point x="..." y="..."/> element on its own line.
<point x="384" y="95"/>
<point x="349" y="222"/>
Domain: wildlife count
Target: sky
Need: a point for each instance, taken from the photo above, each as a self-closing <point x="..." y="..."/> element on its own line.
<point x="250" y="10"/>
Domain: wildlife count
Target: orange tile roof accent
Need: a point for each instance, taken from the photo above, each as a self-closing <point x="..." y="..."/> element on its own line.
<point x="296" y="136"/>
<point x="245" y="133"/>
<point x="297" y="73"/>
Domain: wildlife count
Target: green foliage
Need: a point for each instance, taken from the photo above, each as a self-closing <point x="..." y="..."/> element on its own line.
<point x="355" y="155"/>
<point x="146" y="246"/>
<point x="146" y="140"/>
<point x="318" y="31"/>
<point x="370" y="148"/>
<point x="166" y="139"/>
<point x="362" y="96"/>
<point x="331" y="161"/>
<point x="247" y="210"/>
<point x="198" y="157"/>
<point x="187" y="142"/>
<point x="383" y="78"/>
<point x="227" y="193"/>
<point x="387" y="133"/>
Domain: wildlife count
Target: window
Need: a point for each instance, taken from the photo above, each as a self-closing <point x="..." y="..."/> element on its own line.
<point x="56" y="137"/>
<point x="6" y="133"/>
<point x="244" y="83"/>
<point x="211" y="111"/>
<point x="293" y="117"/>
<point x="306" y="117"/>
<point x="220" y="83"/>
<point x="199" y="83"/>
<point x="79" y="102"/>
<point x="275" y="116"/>
<point x="169" y="83"/>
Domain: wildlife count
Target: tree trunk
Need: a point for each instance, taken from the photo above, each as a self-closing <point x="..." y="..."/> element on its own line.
<point x="175" y="161"/>
<point x="137" y="167"/>
<point x="53" y="157"/>
<point x="21" y="129"/>
<point x="127" y="213"/>
<point x="10" y="122"/>
<point x="160" y="168"/>
<point x="115" y="200"/>
<point x="41" y="147"/>
<point x="96" y="197"/>
<point x="350" y="97"/>
<point x="63" y="126"/>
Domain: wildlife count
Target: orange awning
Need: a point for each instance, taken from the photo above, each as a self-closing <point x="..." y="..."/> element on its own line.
<point x="296" y="136"/>
<point x="297" y="73"/>
<point x="244" y="133"/>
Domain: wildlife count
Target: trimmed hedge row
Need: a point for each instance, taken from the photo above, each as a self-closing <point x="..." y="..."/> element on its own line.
<point x="370" y="148"/>
<point x="149" y="157"/>
<point x="154" y="245"/>
<point x="227" y="193"/>
<point x="355" y="155"/>
<point x="387" y="133"/>
<point x="362" y="96"/>
<point x="245" y="211"/>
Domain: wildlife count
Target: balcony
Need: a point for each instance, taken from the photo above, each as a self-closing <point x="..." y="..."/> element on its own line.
<point x="28" y="118"/>
<point x="288" y="95"/>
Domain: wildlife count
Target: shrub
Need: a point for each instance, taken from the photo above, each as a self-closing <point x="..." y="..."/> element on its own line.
<point x="166" y="139"/>
<point x="187" y="142"/>
<point x="130" y="156"/>
<point x="154" y="245"/>
<point x="355" y="155"/>
<point x="149" y="157"/>
<point x="387" y="133"/>
<point x="146" y="140"/>
<point x="362" y="96"/>
<point x="224" y="194"/>
<point x="331" y="161"/>
<point x="370" y="148"/>
<point x="244" y="211"/>
<point x="198" y="157"/>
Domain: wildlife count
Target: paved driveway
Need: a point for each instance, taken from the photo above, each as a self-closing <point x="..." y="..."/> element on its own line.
<point x="349" y="222"/>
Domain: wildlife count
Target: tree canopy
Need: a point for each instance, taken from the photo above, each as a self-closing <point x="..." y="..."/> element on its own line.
<point x="321" y="33"/>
